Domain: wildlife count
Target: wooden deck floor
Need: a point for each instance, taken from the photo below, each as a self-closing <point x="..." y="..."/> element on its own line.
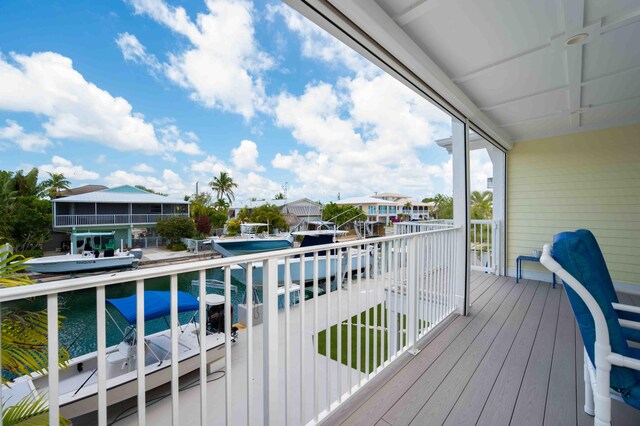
<point x="516" y="359"/>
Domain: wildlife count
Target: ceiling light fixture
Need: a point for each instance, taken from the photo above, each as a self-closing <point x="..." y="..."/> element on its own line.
<point x="576" y="39"/>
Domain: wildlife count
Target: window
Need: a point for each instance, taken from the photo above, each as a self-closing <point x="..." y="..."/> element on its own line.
<point x="372" y="209"/>
<point x="382" y="209"/>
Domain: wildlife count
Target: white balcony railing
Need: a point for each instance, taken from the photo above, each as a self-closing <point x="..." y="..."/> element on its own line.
<point x="484" y="236"/>
<point x="386" y="294"/>
<point x="110" y="219"/>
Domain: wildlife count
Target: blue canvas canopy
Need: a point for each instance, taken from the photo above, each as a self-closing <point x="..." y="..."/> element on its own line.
<point x="157" y="304"/>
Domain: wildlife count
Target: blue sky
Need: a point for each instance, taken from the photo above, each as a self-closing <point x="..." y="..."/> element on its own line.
<point x="167" y="93"/>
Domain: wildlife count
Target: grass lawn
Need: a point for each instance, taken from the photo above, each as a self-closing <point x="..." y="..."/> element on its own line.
<point x="381" y="335"/>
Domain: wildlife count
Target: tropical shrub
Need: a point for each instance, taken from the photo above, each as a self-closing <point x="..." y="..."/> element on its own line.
<point x="175" y="228"/>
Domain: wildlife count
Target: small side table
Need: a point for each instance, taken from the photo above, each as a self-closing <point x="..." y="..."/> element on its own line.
<point x="519" y="260"/>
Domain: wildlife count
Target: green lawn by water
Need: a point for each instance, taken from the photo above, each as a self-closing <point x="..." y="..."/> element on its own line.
<point x="381" y="336"/>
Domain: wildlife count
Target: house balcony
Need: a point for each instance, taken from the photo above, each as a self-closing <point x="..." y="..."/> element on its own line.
<point x="69" y="221"/>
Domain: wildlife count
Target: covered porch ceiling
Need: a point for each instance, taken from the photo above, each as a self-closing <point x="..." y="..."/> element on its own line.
<point x="515" y="68"/>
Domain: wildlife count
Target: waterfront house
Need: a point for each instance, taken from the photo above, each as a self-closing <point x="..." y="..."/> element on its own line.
<point x="129" y="211"/>
<point x="376" y="209"/>
<point x="412" y="209"/>
<point x="301" y="214"/>
<point x="553" y="87"/>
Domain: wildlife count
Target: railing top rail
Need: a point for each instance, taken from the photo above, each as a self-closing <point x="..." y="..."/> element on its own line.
<point x="61" y="286"/>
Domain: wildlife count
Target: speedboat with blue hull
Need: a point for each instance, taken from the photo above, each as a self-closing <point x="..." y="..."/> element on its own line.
<point x="250" y="241"/>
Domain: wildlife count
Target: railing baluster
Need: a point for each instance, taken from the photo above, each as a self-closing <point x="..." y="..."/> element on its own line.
<point x="315" y="336"/>
<point x="140" y="357"/>
<point x="349" y="331"/>
<point x="327" y="342"/>
<point x="367" y="276"/>
<point x="302" y="338"/>
<point x="359" y="318"/>
<point x="287" y="338"/>
<point x="228" y="319"/>
<point x="249" y="300"/>
<point x="202" y="293"/>
<point x="52" y="347"/>
<point x="374" y="280"/>
<point x="102" y="355"/>
<point x="339" y="322"/>
<point x="175" y="375"/>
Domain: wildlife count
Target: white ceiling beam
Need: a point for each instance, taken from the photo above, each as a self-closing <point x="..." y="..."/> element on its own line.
<point x="568" y="112"/>
<point x="573" y="13"/>
<point x="618" y="21"/>
<point x="415" y="11"/>
<point x="513" y="101"/>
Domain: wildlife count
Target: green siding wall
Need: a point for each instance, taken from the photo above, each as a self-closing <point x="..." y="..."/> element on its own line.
<point x="585" y="180"/>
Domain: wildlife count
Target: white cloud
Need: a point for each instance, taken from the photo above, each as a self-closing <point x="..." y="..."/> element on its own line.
<point x="143" y="168"/>
<point x="364" y="134"/>
<point x="62" y="165"/>
<point x="316" y="43"/>
<point x="47" y="84"/>
<point x="250" y="184"/>
<point x="222" y="66"/>
<point x="31" y="142"/>
<point x="169" y="183"/>
<point x="245" y="156"/>
<point x="133" y="50"/>
<point x="480" y="168"/>
<point x="173" y="140"/>
<point x="101" y="159"/>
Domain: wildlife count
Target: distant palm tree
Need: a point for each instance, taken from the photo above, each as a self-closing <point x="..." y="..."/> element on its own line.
<point x="223" y="186"/>
<point x="279" y="196"/>
<point x="56" y="184"/>
<point x="481" y="205"/>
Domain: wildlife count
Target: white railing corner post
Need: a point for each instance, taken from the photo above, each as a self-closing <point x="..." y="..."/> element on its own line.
<point x="412" y="294"/>
<point x="270" y="353"/>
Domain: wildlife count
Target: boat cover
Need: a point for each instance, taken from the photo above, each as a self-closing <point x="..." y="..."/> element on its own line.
<point x="157" y="304"/>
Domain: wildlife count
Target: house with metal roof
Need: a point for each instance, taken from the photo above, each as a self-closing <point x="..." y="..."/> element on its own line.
<point x="300" y="215"/>
<point x="414" y="209"/>
<point x="376" y="209"/>
<point x="131" y="212"/>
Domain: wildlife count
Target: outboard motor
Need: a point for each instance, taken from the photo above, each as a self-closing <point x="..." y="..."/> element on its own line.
<point x="216" y="321"/>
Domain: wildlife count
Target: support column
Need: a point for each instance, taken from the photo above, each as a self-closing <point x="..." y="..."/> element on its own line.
<point x="498" y="158"/>
<point x="461" y="212"/>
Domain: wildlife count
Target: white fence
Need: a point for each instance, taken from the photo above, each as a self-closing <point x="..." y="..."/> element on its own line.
<point x="386" y="292"/>
<point x="110" y="219"/>
<point x="484" y="237"/>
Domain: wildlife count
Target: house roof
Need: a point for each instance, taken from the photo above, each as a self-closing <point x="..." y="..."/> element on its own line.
<point x="389" y="194"/>
<point x="120" y="194"/>
<point x="364" y="200"/>
<point x="81" y="190"/>
<point x="291" y="205"/>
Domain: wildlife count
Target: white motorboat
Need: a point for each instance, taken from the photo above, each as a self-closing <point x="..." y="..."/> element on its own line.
<point x="78" y="388"/>
<point x="350" y="261"/>
<point x="250" y="241"/>
<point x="87" y="261"/>
<point x="98" y="253"/>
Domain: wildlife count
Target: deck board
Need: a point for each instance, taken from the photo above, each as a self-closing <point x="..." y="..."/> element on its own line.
<point x="387" y="395"/>
<point x="407" y="407"/>
<point x="563" y="370"/>
<point x="512" y="310"/>
<point x="515" y="359"/>
<point x="469" y="405"/>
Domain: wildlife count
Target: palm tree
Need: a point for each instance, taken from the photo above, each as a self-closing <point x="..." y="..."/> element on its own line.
<point x="56" y="184"/>
<point x="24" y="347"/>
<point x="481" y="205"/>
<point x="223" y="186"/>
